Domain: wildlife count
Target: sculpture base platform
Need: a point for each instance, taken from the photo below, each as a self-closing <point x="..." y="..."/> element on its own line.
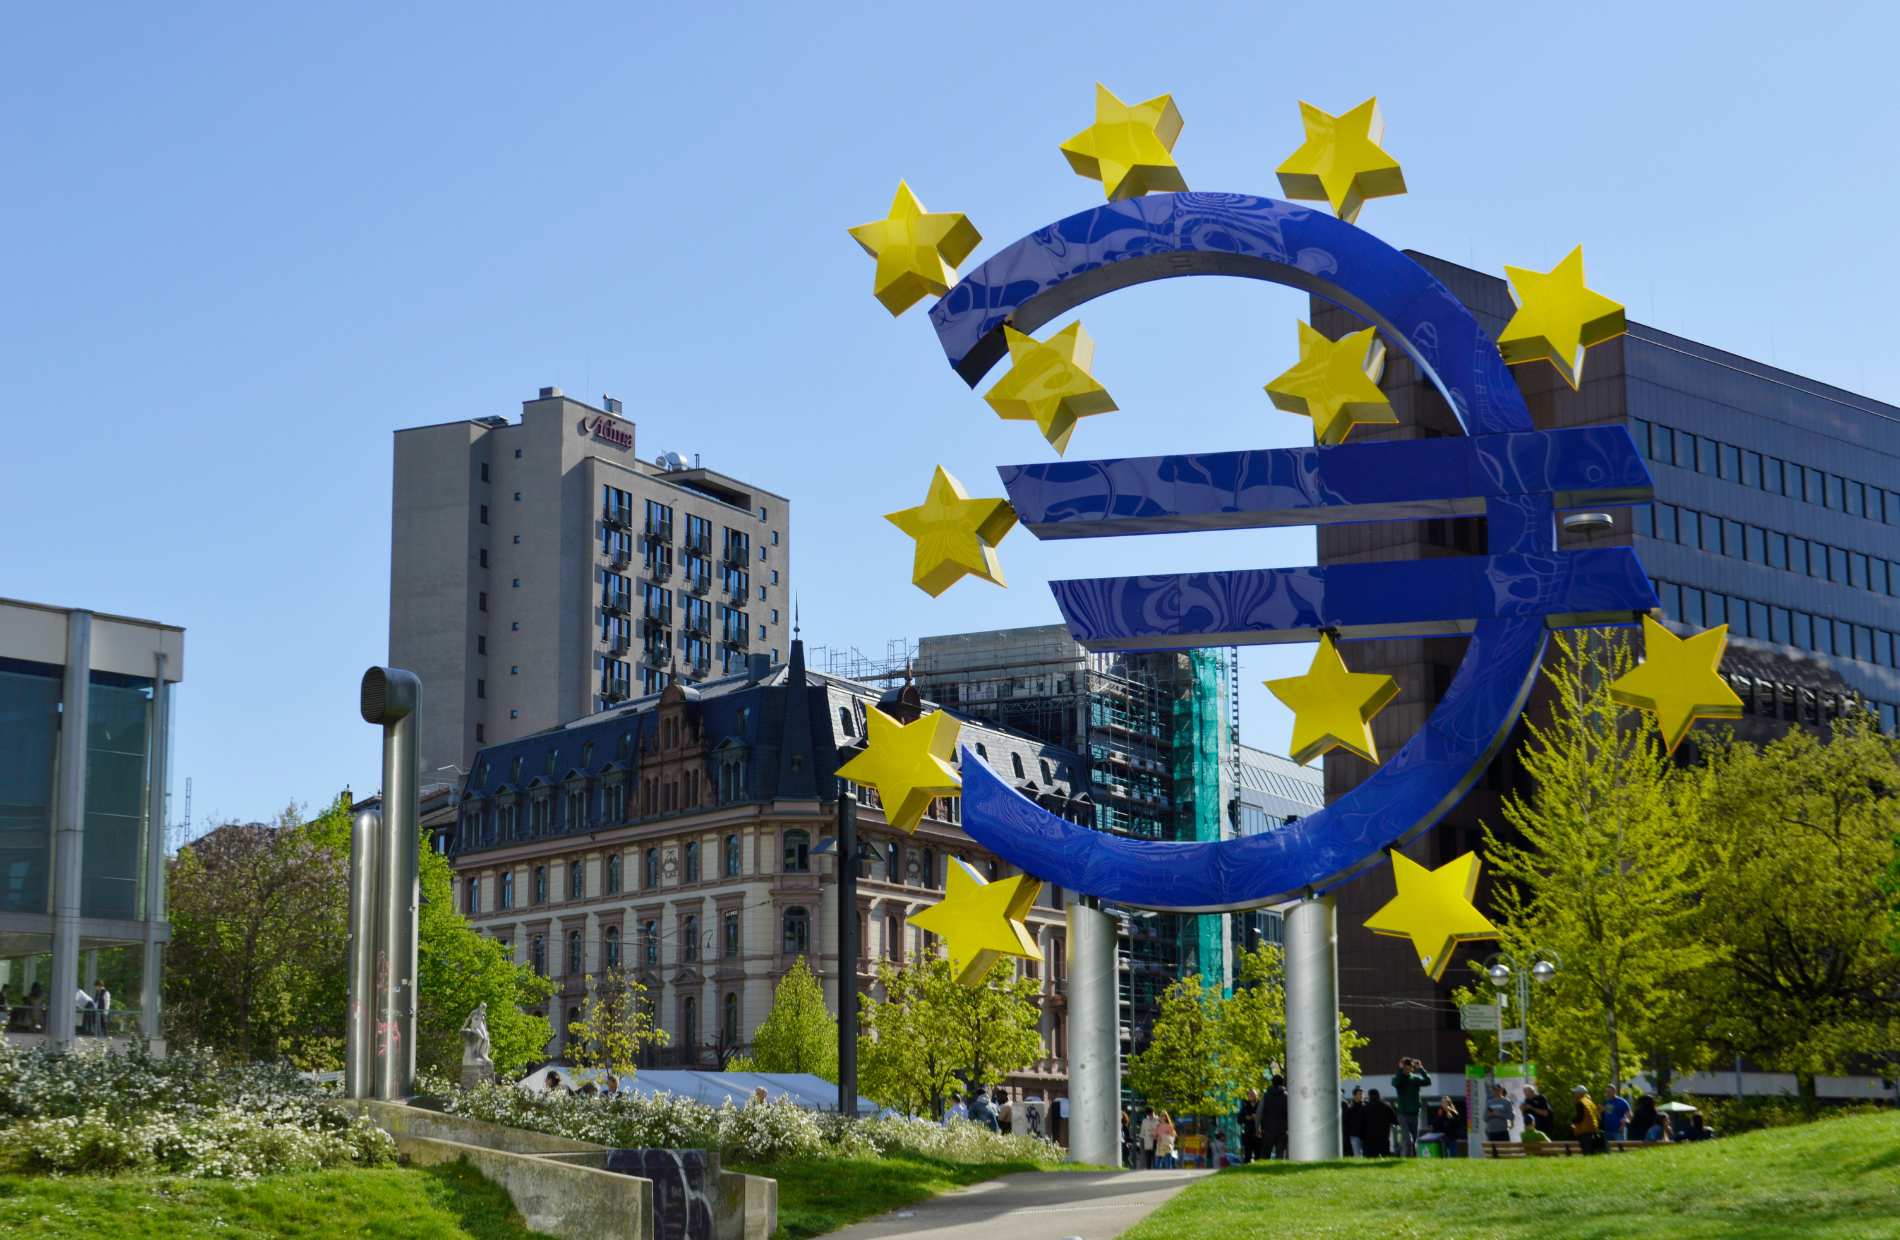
<point x="474" y="1074"/>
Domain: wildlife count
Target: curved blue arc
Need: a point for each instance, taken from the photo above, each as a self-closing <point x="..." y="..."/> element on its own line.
<point x="1403" y="799"/>
<point x="1159" y="236"/>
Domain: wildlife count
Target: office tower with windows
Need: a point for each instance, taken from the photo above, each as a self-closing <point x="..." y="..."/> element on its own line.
<point x="1777" y="513"/>
<point x="541" y="571"/>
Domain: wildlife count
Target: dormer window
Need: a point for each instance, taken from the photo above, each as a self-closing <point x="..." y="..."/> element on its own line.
<point x="1016" y="764"/>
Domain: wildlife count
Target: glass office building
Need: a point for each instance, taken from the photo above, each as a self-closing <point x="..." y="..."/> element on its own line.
<point x="85" y="708"/>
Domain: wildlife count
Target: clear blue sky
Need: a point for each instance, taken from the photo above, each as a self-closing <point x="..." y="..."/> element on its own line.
<point x="244" y="243"/>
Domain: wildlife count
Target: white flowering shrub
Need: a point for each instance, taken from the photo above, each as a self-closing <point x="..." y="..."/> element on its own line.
<point x="106" y="1111"/>
<point x="961" y="1141"/>
<point x="763" y="1132"/>
<point x="223" y="1145"/>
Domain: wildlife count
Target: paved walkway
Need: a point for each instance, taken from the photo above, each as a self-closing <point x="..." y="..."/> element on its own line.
<point x="1033" y="1205"/>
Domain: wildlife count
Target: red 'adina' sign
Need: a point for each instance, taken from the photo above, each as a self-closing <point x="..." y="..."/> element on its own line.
<point x="610" y="430"/>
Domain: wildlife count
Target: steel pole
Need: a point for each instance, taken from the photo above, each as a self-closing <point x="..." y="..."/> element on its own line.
<point x="69" y="830"/>
<point x="359" y="1033"/>
<point x="153" y="910"/>
<point x="1312" y="1030"/>
<point x="847" y="950"/>
<point x="1095" y="1076"/>
<point x="393" y="698"/>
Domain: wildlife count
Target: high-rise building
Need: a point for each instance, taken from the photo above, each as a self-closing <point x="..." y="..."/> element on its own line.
<point x="540" y="571"/>
<point x="1777" y="512"/>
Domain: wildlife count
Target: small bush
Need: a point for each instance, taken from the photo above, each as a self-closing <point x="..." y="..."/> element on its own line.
<point x="223" y="1145"/>
<point x="1729" y="1117"/>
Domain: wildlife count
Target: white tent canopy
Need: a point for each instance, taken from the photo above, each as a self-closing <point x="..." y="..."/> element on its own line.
<point x="711" y="1088"/>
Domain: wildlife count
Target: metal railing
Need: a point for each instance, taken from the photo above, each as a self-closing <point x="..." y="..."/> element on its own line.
<point x="620" y="516"/>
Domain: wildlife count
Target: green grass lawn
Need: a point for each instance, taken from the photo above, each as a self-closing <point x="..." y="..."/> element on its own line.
<point x="1835" y="1178"/>
<point x="823" y="1195"/>
<point x="446" y="1201"/>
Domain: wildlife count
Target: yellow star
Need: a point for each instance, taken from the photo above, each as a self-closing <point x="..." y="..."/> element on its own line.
<point x="907" y="763"/>
<point x="1332" y="707"/>
<point x="1433" y="909"/>
<point x="1341" y="160"/>
<point x="917" y="253"/>
<point x="1677" y="680"/>
<point x="1127" y="148"/>
<point x="955" y="535"/>
<point x="1336" y="385"/>
<point x="1049" y="383"/>
<point x="1557" y="318"/>
<point x="982" y="922"/>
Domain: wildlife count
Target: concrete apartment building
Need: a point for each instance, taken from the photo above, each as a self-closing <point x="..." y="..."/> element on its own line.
<point x="1777" y="512"/>
<point x="677" y="835"/>
<point x="540" y="572"/>
<point x="85" y="739"/>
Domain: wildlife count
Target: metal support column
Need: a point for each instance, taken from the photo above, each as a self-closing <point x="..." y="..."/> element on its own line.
<point x="393" y="698"/>
<point x="1312" y="1030"/>
<point x="1095" y="1075"/>
<point x="153" y="910"/>
<point x="69" y="830"/>
<point x="847" y="950"/>
<point x="359" y="1033"/>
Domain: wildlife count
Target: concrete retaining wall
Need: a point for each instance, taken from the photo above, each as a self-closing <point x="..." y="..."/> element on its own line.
<point x="554" y="1196"/>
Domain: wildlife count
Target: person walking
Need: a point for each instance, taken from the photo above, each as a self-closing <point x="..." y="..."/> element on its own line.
<point x="1247" y="1118"/>
<point x="88" y="1015"/>
<point x="1273" y="1119"/>
<point x="1616" y="1115"/>
<point x="102" y="1006"/>
<point x="1497" y="1115"/>
<point x="981" y="1112"/>
<point x="1583" y="1120"/>
<point x="1406" y="1084"/>
<point x="1375" y="1126"/>
<point x="1148" y="1125"/>
<point x="1352" y="1123"/>
<point x="1164" y="1142"/>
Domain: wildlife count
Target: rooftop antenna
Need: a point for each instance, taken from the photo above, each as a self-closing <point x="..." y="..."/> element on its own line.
<point x="794" y="620"/>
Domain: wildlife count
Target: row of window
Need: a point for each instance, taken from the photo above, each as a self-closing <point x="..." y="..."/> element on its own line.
<point x="1764" y="473"/>
<point x="689" y="948"/>
<point x="1752" y="543"/>
<point x="1705" y="609"/>
<point x="681" y="791"/>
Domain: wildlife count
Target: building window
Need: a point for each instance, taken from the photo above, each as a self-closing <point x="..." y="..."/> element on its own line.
<point x="732" y="1018"/>
<point x="797" y="931"/>
<point x="614" y="803"/>
<point x="479" y="738"/>
<point x="613" y="875"/>
<point x="472" y="903"/>
<point x="692" y="862"/>
<point x="894" y="939"/>
<point x="481" y="601"/>
<point x="653" y="868"/>
<point x="517" y="497"/>
<point x="689" y="939"/>
<point x="1016" y="764"/>
<point x="689" y="1028"/>
<point x="540" y="884"/>
<point x="484" y="514"/>
<point x="732" y="856"/>
<point x="576" y="809"/>
<point x="611" y="942"/>
<point x="574" y="961"/>
<point x="732" y="935"/>
<point x="538" y="954"/>
<point x="650" y="935"/>
<point x="930" y="868"/>
<point x="481" y="688"/>
<point x="798" y="852"/>
<point x="577" y="880"/>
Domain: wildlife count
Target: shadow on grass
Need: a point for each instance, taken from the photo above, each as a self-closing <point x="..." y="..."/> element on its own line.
<point x="480" y="1205"/>
<point x="1282" y="1167"/>
<point x="822" y="1195"/>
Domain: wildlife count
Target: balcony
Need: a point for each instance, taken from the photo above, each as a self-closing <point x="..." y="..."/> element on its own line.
<point x="698" y="583"/>
<point x="737" y="553"/>
<point x="617" y="516"/>
<point x="661" y="570"/>
<point x="659" y="615"/>
<point x="659" y="531"/>
<point x="620" y="643"/>
<point x="739" y="639"/>
<point x="620" y="557"/>
<point x="657" y="656"/>
<point x="614" y="690"/>
<point x="619" y="602"/>
<point x="700" y="544"/>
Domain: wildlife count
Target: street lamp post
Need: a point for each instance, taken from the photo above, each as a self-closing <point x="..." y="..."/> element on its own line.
<point x="1502" y="968"/>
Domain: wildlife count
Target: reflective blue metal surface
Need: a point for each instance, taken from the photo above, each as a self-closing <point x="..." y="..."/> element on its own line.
<point x="1404" y="598"/>
<point x="1074" y="260"/>
<point x="1516" y="476"/>
<point x="1377" y="481"/>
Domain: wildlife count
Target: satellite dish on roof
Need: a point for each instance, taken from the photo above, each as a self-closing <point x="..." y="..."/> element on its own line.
<point x="670" y="461"/>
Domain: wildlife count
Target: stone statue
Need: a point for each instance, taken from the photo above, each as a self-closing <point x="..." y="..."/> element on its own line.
<point x="477" y="1067"/>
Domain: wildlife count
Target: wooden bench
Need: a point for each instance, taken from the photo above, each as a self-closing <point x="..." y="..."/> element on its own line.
<point x="1558" y="1149"/>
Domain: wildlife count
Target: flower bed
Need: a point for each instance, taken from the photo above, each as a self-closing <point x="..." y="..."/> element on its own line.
<point x="755" y="1133"/>
<point x="104" y="1112"/>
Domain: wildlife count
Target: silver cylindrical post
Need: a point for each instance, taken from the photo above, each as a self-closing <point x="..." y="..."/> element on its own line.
<point x="1312" y="1030"/>
<point x="393" y="698"/>
<point x="69" y="831"/>
<point x="1095" y="1077"/>
<point x="359" y="1064"/>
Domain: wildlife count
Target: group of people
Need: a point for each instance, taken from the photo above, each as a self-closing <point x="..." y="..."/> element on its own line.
<point x="1263" y="1123"/>
<point x="992" y="1110"/>
<point x="1371" y="1123"/>
<point x="1593" y="1126"/>
<point x="1154" y="1139"/>
<point x="608" y="1089"/>
<point x="27" y="1013"/>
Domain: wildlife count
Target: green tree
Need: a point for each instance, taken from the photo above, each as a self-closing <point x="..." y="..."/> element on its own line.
<point x="258" y="918"/>
<point x="1187" y="1067"/>
<point x="1607" y="869"/>
<point x="1808" y="981"/>
<point x="910" y="1051"/>
<point x="1253" y="1022"/>
<point x="616" y="1024"/>
<point x="799" y="1033"/>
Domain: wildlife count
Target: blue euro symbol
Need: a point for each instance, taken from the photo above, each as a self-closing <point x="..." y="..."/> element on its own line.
<point x="1503" y="468"/>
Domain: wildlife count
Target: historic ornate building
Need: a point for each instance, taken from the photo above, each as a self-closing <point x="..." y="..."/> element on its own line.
<point x="681" y="836"/>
